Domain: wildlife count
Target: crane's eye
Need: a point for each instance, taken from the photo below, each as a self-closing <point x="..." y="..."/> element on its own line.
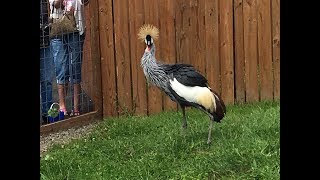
<point x="149" y="40"/>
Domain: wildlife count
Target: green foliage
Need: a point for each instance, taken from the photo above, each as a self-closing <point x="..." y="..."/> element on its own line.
<point x="245" y="145"/>
<point x="53" y="112"/>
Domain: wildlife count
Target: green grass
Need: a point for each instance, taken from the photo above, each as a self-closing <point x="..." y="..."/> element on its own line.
<point x="245" y="145"/>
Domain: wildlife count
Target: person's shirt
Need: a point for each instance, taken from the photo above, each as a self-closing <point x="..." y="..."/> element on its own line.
<point x="70" y="5"/>
<point x="44" y="22"/>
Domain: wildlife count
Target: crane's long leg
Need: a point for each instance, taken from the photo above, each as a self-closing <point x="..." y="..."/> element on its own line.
<point x="210" y="128"/>
<point x="184" y="120"/>
<point x="211" y="119"/>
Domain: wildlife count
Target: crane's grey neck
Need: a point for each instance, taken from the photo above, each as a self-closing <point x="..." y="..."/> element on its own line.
<point x="152" y="69"/>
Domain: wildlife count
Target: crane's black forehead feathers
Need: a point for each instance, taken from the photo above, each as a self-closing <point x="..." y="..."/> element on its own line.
<point x="148" y="37"/>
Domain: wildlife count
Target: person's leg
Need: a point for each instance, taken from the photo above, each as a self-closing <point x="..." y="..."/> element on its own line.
<point x="76" y="98"/>
<point x="46" y="77"/>
<point x="62" y="92"/>
<point x="60" y="57"/>
<point x="76" y="47"/>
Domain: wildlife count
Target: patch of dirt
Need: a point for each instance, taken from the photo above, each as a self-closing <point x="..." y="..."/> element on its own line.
<point x="64" y="136"/>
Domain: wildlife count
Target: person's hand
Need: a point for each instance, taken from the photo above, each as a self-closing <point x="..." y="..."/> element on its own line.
<point x="85" y="2"/>
<point x="58" y="4"/>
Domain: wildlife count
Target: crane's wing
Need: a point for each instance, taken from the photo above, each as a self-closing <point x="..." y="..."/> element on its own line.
<point x="186" y="74"/>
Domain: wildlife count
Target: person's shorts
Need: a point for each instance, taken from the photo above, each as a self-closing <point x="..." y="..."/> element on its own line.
<point x="67" y="55"/>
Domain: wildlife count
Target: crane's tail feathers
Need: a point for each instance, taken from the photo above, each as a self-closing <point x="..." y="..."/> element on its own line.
<point x="148" y="29"/>
<point x="220" y="107"/>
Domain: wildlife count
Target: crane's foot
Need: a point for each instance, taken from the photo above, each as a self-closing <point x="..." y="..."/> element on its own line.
<point x="183" y="128"/>
<point x="209" y="141"/>
<point x="184" y="125"/>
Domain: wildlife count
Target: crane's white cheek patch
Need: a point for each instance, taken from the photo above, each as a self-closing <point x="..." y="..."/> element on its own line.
<point x="196" y="94"/>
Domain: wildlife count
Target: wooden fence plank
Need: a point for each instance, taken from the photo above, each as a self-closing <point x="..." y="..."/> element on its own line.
<point x="185" y="33"/>
<point x="139" y="95"/>
<point x="265" y="49"/>
<point x="107" y="58"/>
<point x="276" y="46"/>
<point x="95" y="56"/>
<point x="179" y="8"/>
<point x="122" y="55"/>
<point x="250" y="49"/>
<point x="154" y="94"/>
<point x="168" y="42"/>
<point x="201" y="36"/>
<point x="239" y="52"/>
<point x="197" y="27"/>
<point x="196" y="35"/>
<point x="133" y="57"/>
<point x="212" y="45"/>
<point x="226" y="50"/>
<point x="193" y="34"/>
<point x="86" y="72"/>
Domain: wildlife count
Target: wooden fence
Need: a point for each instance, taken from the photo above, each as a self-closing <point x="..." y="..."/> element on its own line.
<point x="234" y="43"/>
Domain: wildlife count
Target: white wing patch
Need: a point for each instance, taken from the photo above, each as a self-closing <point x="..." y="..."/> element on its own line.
<point x="196" y="94"/>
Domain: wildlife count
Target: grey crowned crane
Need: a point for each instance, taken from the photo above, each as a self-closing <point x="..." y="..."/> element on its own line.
<point x="181" y="82"/>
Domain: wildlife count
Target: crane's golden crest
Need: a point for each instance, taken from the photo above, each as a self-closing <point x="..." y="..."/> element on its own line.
<point x="148" y="29"/>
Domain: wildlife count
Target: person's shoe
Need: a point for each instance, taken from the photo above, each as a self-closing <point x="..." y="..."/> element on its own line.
<point x="74" y="113"/>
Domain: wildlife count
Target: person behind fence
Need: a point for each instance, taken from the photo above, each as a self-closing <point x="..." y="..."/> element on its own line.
<point x="46" y="61"/>
<point x="67" y="51"/>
